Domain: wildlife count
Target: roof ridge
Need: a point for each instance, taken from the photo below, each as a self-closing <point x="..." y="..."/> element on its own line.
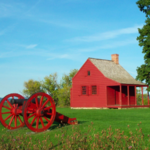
<point x="99" y="59"/>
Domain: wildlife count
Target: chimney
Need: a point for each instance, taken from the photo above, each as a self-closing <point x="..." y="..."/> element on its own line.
<point x="115" y="58"/>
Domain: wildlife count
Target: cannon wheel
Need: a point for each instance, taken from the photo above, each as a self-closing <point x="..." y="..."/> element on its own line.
<point x="40" y="115"/>
<point x="9" y="114"/>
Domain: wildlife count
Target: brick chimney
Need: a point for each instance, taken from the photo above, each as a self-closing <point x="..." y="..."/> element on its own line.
<point x="115" y="58"/>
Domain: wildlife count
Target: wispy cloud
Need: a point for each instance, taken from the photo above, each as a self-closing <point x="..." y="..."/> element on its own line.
<point x="133" y="73"/>
<point x="106" y="35"/>
<point x="2" y="32"/>
<point x="58" y="23"/>
<point x="108" y="45"/>
<point x="31" y="46"/>
<point x="34" y="6"/>
<point x="60" y="56"/>
<point x="7" y="29"/>
<point x="8" y="9"/>
<point x="38" y="52"/>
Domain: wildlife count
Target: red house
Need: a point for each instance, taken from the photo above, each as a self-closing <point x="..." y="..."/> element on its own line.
<point x="104" y="83"/>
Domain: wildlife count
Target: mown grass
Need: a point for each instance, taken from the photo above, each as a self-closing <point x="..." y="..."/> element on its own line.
<point x="126" y="121"/>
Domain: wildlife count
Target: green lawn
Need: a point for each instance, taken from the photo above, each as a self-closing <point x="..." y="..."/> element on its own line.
<point x="101" y="118"/>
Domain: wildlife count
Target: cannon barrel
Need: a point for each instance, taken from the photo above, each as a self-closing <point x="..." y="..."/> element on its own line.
<point x="21" y="101"/>
<point x="18" y="101"/>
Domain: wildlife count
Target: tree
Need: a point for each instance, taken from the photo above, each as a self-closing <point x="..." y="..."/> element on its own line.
<point x="144" y="41"/>
<point x="64" y="90"/>
<point x="32" y="87"/>
<point x="144" y="5"/>
<point x="51" y="86"/>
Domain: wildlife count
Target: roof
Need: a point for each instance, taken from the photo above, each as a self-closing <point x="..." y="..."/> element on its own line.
<point x="114" y="71"/>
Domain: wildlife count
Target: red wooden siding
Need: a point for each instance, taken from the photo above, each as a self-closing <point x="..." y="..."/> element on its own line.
<point x="95" y="78"/>
<point x="113" y="95"/>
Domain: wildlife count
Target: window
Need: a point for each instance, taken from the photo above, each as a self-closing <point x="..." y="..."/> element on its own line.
<point x="94" y="89"/>
<point x="88" y="73"/>
<point x="84" y="90"/>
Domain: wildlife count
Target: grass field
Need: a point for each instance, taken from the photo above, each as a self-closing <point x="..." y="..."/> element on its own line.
<point x="101" y="118"/>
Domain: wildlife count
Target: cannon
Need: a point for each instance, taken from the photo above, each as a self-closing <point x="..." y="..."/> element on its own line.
<point x="38" y="112"/>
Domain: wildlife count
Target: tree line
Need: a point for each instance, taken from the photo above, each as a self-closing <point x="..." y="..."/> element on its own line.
<point x="60" y="92"/>
<point x="143" y="71"/>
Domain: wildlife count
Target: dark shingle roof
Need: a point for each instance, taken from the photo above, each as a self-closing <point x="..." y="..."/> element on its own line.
<point x="114" y="71"/>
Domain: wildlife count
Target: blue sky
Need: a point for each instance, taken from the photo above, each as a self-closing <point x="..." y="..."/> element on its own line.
<point x="41" y="37"/>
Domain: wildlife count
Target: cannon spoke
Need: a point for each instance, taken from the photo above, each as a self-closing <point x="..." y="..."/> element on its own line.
<point x="6" y="112"/>
<point x="20" y="120"/>
<point x="6" y="107"/>
<point x="46" y="119"/>
<point x="32" y="115"/>
<point x="33" y="120"/>
<point x="41" y="100"/>
<point x="15" y="121"/>
<point x="37" y="122"/>
<point x="7" y="117"/>
<point x="11" y="120"/>
<point x="9" y="103"/>
<point x="42" y="121"/>
<point x="46" y="108"/>
<point x="45" y="103"/>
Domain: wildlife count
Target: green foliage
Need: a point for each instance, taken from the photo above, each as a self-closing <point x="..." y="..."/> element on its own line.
<point x="144" y="41"/>
<point x="67" y="79"/>
<point x="32" y="87"/>
<point x="64" y="90"/>
<point x="64" y="96"/>
<point x="139" y="97"/>
<point x="51" y="86"/>
<point x="144" y="5"/>
<point x="59" y="92"/>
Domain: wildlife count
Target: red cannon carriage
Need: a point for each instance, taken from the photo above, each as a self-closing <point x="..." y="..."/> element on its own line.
<point x="37" y="113"/>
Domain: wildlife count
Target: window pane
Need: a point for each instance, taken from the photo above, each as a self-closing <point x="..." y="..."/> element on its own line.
<point x="94" y="89"/>
<point x="88" y="73"/>
<point x="83" y="90"/>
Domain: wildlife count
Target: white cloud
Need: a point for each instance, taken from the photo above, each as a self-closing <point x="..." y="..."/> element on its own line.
<point x="7" y="29"/>
<point x="58" y="23"/>
<point x="133" y="73"/>
<point x="106" y="35"/>
<point x="64" y="56"/>
<point x="119" y="43"/>
<point x="108" y="45"/>
<point x="34" y="6"/>
<point x="60" y="56"/>
<point x="8" y="9"/>
<point x="2" y="32"/>
<point x="31" y="46"/>
<point x="38" y="52"/>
